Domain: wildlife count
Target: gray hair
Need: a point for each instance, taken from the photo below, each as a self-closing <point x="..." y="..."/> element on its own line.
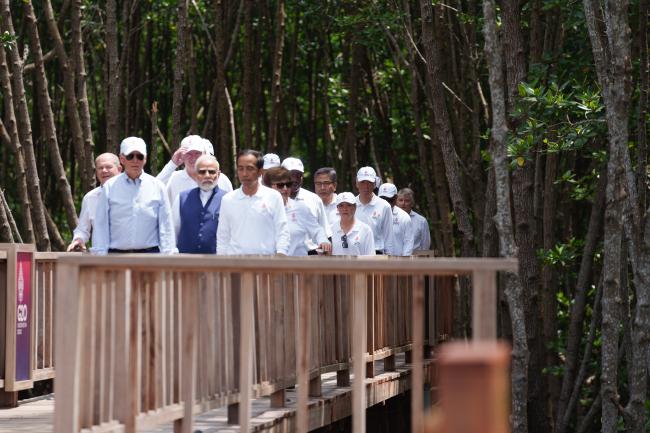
<point x="116" y="160"/>
<point x="329" y="171"/>
<point x="205" y="158"/>
<point x="406" y="192"/>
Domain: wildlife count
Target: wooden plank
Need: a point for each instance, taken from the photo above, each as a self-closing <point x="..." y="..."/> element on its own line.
<point x="189" y="351"/>
<point x="67" y="355"/>
<point x="359" y="329"/>
<point x="484" y="305"/>
<point x="304" y="287"/>
<point x="246" y="349"/>
<point x="417" y="401"/>
<point x="125" y="356"/>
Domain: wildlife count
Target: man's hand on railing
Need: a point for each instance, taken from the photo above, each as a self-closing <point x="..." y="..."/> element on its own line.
<point x="76" y="246"/>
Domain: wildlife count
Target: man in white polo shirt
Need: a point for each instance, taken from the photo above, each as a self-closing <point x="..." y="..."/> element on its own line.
<point x="252" y="218"/>
<point x="325" y="188"/>
<point x="374" y="211"/>
<point x="313" y="202"/>
<point x="421" y="234"/>
<point x="402" y="242"/>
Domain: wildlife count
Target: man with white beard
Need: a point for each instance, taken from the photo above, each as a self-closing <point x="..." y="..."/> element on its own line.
<point x="195" y="211"/>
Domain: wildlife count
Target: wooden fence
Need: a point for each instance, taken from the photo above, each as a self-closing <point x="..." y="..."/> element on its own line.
<point x="27" y="280"/>
<point x="145" y="340"/>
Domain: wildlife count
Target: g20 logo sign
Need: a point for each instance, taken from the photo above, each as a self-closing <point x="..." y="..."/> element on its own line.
<point x="22" y="313"/>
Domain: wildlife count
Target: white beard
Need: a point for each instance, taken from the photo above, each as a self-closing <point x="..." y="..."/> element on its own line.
<point x="209" y="187"/>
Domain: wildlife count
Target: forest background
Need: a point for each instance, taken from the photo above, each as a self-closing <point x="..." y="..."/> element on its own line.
<point x="520" y="124"/>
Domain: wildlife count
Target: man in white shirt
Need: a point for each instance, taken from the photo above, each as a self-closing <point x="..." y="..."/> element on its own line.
<point x="351" y="237"/>
<point x="325" y="188"/>
<point x="107" y="165"/>
<point x="313" y="202"/>
<point x="421" y="234"/>
<point x="192" y="147"/>
<point x="374" y="211"/>
<point x="402" y="242"/>
<point x="252" y="219"/>
<point x="133" y="214"/>
<point x="195" y="211"/>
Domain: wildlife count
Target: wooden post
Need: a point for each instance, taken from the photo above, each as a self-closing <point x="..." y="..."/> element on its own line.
<point x="417" y="371"/>
<point x="484" y="305"/>
<point x="246" y="350"/>
<point x="359" y="344"/>
<point x="125" y="360"/>
<point x="474" y="387"/>
<point x="305" y="286"/>
<point x="189" y="348"/>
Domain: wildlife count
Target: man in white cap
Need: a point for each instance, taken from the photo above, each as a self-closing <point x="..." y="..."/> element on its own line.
<point x="374" y="211"/>
<point x="252" y="219"/>
<point x="325" y="188"/>
<point x="133" y="214"/>
<point x="183" y="180"/>
<point x="196" y="211"/>
<point x="313" y="202"/>
<point x="351" y="237"/>
<point x="402" y="242"/>
<point x="107" y="165"/>
<point x="421" y="234"/>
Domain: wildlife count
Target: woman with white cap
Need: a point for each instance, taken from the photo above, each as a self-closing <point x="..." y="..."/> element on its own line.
<point x="351" y="237"/>
<point x="302" y="223"/>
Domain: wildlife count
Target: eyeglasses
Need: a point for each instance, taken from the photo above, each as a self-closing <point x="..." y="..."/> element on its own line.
<point x="130" y="156"/>
<point x="344" y="241"/>
<point x="328" y="183"/>
<point x="280" y="185"/>
<point x="204" y="171"/>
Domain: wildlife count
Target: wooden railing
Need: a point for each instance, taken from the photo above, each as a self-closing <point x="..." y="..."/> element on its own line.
<point x="23" y="365"/>
<point x="147" y="340"/>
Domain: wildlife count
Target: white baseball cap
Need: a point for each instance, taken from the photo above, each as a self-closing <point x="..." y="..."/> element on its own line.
<point x="345" y="197"/>
<point x="208" y="146"/>
<point x="133" y="144"/>
<point x="293" y="164"/>
<point x="193" y="142"/>
<point x="271" y="160"/>
<point x="367" y="173"/>
<point x="387" y="190"/>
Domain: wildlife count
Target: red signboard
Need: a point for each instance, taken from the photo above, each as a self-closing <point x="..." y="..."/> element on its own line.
<point x="23" y="314"/>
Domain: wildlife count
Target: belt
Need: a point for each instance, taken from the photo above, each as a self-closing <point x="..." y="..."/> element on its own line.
<point x="142" y="250"/>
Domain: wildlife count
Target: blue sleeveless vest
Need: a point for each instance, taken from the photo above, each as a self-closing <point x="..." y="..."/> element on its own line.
<point x="198" y="234"/>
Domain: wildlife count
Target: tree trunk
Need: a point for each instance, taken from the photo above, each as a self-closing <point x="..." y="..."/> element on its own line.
<point x="113" y="79"/>
<point x="86" y="171"/>
<point x="514" y="291"/>
<point x="47" y="118"/>
<point x="225" y="116"/>
<point x="276" y="83"/>
<point x="24" y="128"/>
<point x="179" y="72"/>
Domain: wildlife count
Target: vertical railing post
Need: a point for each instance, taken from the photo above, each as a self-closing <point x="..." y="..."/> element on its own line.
<point x="305" y="286"/>
<point x="484" y="305"/>
<point x="417" y="373"/>
<point x="359" y="344"/>
<point x="124" y="356"/>
<point x="67" y="349"/>
<point x="189" y="346"/>
<point x="246" y="350"/>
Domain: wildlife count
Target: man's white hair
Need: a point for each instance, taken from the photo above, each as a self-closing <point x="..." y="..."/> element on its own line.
<point x="205" y="158"/>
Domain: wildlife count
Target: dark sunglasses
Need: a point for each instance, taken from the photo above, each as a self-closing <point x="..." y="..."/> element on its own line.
<point x="206" y="171"/>
<point x="344" y="241"/>
<point x="281" y="185"/>
<point x="130" y="156"/>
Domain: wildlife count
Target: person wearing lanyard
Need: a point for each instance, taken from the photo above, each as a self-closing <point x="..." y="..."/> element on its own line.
<point x="350" y="236"/>
<point x="196" y="211"/>
<point x="374" y="211"/>
<point x="302" y="223"/>
<point x="133" y="214"/>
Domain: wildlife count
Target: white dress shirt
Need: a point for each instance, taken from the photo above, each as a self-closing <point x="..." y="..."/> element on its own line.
<point x="378" y="215"/>
<point x="360" y="240"/>
<point x="302" y="224"/>
<point x="421" y="234"/>
<point x="254" y="224"/>
<point x="180" y="181"/>
<point x="133" y="214"/>
<point x="331" y="211"/>
<point x="176" y="208"/>
<point x="402" y="242"/>
<point x="315" y="205"/>
<point x="87" y="216"/>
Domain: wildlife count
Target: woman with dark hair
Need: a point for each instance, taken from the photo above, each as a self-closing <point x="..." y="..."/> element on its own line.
<point x="303" y="224"/>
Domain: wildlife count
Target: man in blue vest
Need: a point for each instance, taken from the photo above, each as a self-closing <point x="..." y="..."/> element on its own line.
<point x="195" y="212"/>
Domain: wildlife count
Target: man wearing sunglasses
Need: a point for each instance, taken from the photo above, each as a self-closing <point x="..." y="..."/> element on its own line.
<point x="196" y="211"/>
<point x="133" y="214"/>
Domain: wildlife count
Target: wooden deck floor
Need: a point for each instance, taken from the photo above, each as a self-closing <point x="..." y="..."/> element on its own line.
<point x="334" y="404"/>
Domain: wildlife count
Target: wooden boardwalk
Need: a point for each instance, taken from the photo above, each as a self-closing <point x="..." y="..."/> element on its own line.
<point x="36" y="415"/>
